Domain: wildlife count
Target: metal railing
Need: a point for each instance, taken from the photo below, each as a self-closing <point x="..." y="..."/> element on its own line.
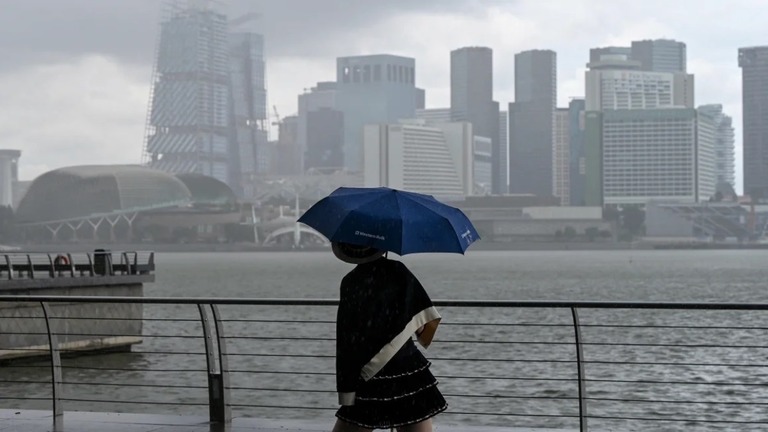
<point x="98" y="263"/>
<point x="571" y="365"/>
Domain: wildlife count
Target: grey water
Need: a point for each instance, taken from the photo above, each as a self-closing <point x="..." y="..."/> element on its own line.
<point x="496" y="366"/>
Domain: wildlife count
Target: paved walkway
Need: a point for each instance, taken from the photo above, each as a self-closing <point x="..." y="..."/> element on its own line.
<point x="42" y="421"/>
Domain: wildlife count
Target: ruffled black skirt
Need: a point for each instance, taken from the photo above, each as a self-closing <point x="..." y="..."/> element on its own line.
<point x="404" y="392"/>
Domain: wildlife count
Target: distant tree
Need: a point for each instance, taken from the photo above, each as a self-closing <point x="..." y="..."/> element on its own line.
<point x="611" y="213"/>
<point x="569" y="232"/>
<point x="592" y="233"/>
<point x="559" y="234"/>
<point x="633" y="220"/>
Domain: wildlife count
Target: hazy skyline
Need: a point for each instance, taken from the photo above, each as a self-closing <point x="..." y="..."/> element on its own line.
<point x="75" y="75"/>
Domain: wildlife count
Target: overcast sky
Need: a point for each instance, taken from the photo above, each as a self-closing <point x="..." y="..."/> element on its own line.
<point x="74" y="74"/>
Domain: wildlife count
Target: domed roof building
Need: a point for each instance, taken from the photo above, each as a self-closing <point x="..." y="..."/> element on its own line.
<point x="81" y="191"/>
<point x="86" y="200"/>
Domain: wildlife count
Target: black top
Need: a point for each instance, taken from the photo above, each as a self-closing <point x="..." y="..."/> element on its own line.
<point x="382" y="304"/>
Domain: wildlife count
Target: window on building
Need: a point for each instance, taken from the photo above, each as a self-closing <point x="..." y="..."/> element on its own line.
<point x="345" y="74"/>
<point x="376" y="73"/>
<point x="367" y="73"/>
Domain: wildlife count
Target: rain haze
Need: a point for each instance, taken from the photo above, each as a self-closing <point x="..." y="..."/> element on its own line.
<point x="75" y="75"/>
<point x="575" y="191"/>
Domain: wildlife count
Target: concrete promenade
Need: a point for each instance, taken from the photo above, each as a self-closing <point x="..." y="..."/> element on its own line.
<point x="42" y="421"/>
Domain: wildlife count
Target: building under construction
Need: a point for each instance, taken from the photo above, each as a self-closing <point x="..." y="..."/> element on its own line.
<point x="207" y="111"/>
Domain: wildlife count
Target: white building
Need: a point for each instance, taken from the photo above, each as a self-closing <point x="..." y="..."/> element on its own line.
<point x="616" y="83"/>
<point x="725" y="140"/>
<point x="561" y="156"/>
<point x="434" y="115"/>
<point x="657" y="154"/>
<point x="482" y="157"/>
<point x="419" y="157"/>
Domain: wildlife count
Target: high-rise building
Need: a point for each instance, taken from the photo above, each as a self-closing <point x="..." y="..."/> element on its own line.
<point x="322" y="95"/>
<point x="325" y="139"/>
<point x="660" y="55"/>
<point x="754" y="93"/>
<point x="595" y="54"/>
<point x="725" y="169"/>
<point x="472" y="86"/>
<point x="576" y="152"/>
<point x="482" y="165"/>
<point x="208" y="100"/>
<point x="434" y="115"/>
<point x="472" y="99"/>
<point x="373" y="89"/>
<point x="503" y="158"/>
<point x="657" y="154"/>
<point x="9" y="175"/>
<point x="561" y="181"/>
<point x="531" y="123"/>
<point x="248" y="104"/>
<point x="615" y="82"/>
<point x="280" y="157"/>
<point x="420" y="157"/>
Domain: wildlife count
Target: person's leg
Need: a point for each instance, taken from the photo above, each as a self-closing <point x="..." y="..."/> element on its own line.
<point x="342" y="426"/>
<point x="424" y="426"/>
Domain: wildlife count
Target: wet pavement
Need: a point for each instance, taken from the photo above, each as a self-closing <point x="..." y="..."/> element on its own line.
<point x="42" y="421"/>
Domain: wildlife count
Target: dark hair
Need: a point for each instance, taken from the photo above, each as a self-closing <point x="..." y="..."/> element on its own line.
<point x="357" y="251"/>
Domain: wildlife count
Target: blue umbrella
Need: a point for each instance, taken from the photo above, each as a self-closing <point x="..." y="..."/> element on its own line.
<point x="392" y="220"/>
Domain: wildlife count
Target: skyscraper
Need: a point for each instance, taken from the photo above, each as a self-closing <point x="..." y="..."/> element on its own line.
<point x="373" y="89"/>
<point x="615" y="82"/>
<point x="754" y="82"/>
<point x="503" y="159"/>
<point x="531" y="123"/>
<point x="595" y="54"/>
<point x="577" y="152"/>
<point x="208" y="100"/>
<point x="724" y="143"/>
<point x="561" y="181"/>
<point x="248" y="105"/>
<point x="657" y="154"/>
<point x="325" y="137"/>
<point x="660" y="55"/>
<point x="472" y="86"/>
<point x="472" y="100"/>
<point x="413" y="155"/>
<point x="322" y="95"/>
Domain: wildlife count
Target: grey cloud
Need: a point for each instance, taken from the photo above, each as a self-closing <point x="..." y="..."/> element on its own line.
<point x="44" y="30"/>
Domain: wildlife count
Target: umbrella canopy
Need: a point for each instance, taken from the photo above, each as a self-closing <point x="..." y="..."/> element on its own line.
<point x="392" y="220"/>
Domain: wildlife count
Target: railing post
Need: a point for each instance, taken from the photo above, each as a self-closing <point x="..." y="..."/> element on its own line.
<point x="10" y="266"/>
<point x="90" y="265"/>
<point x="52" y="268"/>
<point x="53" y="346"/>
<point x="31" y="271"/>
<point x="582" y="375"/>
<point x="218" y="376"/>
<point x="71" y="265"/>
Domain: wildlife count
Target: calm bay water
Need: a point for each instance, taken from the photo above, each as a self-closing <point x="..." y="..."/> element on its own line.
<point x="706" y="276"/>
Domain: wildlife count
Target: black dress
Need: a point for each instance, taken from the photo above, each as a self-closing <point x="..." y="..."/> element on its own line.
<point x="382" y="377"/>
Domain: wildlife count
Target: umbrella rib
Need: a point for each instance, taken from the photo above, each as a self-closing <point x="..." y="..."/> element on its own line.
<point x="402" y="231"/>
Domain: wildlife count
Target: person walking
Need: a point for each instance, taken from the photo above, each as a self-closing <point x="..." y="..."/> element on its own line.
<point x="382" y="378"/>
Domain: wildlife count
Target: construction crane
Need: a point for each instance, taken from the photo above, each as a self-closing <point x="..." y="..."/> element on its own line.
<point x="251" y="16"/>
<point x="277" y="116"/>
